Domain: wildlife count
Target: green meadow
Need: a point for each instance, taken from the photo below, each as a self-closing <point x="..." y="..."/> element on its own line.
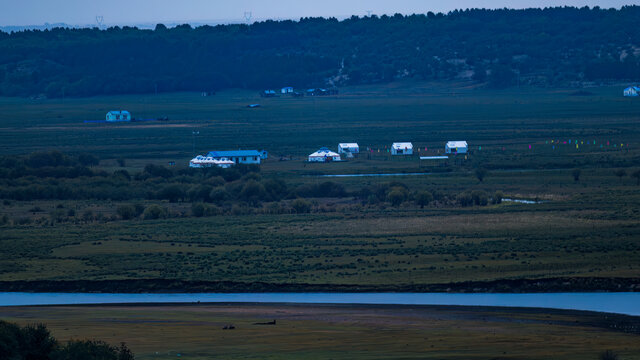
<point x="529" y="141"/>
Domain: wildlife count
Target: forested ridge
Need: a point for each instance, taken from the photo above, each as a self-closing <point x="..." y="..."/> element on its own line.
<point x="499" y="48"/>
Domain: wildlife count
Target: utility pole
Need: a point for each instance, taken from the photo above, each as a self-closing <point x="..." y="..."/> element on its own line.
<point x="194" y="133"/>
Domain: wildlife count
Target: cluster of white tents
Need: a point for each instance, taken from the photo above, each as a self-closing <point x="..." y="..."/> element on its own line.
<point x="397" y="148"/>
<point x="209" y="161"/>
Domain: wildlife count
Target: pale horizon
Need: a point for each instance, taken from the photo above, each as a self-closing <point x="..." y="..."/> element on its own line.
<point x="137" y="12"/>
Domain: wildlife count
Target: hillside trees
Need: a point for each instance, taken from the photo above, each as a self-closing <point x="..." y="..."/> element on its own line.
<point x="493" y="46"/>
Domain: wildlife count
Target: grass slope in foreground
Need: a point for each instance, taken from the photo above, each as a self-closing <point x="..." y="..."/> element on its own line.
<point x="342" y="331"/>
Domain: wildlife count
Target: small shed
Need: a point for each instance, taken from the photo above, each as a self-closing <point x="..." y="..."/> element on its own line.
<point x="118" y="115"/>
<point x="324" y="155"/>
<point x="351" y="148"/>
<point x="286" y="90"/>
<point x="632" y="91"/>
<point x="402" y="148"/>
<point x="456" y="147"/>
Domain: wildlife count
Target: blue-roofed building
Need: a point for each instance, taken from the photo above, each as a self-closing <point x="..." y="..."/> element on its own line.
<point x="238" y="156"/>
<point x="118" y="115"/>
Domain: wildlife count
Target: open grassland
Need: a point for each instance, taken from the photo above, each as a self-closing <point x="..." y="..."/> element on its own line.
<point x="341" y="331"/>
<point x="427" y="114"/>
<point x="585" y="228"/>
<point x="384" y="248"/>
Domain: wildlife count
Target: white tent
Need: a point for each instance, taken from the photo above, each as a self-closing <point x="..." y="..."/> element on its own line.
<point x="402" y="148"/>
<point x="344" y="148"/>
<point x="456" y="147"/>
<point x="632" y="91"/>
<point x="324" y="155"/>
<point x="208" y="161"/>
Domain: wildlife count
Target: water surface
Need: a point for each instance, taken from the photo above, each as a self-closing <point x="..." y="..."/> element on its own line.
<point x="622" y="303"/>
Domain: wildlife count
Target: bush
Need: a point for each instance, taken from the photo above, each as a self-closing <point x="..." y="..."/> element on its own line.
<point x="173" y="193"/>
<point x="219" y="195"/>
<point x="34" y="342"/>
<point x="123" y="174"/>
<point x="465" y="199"/>
<point x="301" y="206"/>
<point x="397" y="196"/>
<point x="480" y="197"/>
<point x="126" y="212"/>
<point x="200" y="210"/>
<point x="423" y="198"/>
<point x="497" y="197"/>
<point x="158" y="171"/>
<point x="253" y="192"/>
<point x="153" y="212"/>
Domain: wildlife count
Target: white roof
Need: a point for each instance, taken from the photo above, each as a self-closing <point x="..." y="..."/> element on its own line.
<point x="348" y="145"/>
<point x="118" y="112"/>
<point x="324" y="152"/>
<point x="402" y="145"/>
<point x="457" y="144"/>
<point x="209" y="160"/>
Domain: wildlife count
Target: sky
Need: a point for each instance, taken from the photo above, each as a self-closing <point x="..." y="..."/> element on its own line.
<point x="132" y="12"/>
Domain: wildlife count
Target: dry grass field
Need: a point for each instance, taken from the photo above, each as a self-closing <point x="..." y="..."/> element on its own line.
<point x="339" y="331"/>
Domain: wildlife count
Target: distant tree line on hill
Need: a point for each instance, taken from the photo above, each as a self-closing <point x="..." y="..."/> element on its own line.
<point x="35" y="342"/>
<point x="498" y="47"/>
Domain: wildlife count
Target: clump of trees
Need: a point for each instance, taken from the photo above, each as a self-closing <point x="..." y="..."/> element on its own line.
<point x="35" y="342"/>
<point x="151" y="193"/>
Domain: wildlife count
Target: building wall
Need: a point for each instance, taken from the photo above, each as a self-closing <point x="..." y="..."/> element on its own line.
<point x="353" y="150"/>
<point x="395" y="151"/>
<point x="460" y="150"/>
<point x="245" y="159"/>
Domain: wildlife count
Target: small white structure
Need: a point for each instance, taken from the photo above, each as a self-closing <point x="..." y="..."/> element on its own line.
<point x="456" y="147"/>
<point x="207" y="161"/>
<point x="324" y="155"/>
<point x="238" y="156"/>
<point x="118" y="115"/>
<point x="402" y="148"/>
<point x="632" y="91"/>
<point x="287" y="90"/>
<point x="352" y="148"/>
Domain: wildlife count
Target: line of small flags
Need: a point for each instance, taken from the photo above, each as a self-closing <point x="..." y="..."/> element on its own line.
<point x="554" y="143"/>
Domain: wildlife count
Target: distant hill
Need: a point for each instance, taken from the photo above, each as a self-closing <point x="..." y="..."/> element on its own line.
<point x="498" y="47"/>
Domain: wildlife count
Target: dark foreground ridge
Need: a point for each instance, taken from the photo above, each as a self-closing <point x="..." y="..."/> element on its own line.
<point x="578" y="284"/>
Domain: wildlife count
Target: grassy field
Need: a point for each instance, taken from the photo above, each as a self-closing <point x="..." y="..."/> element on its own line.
<point x="588" y="228"/>
<point x="340" y="331"/>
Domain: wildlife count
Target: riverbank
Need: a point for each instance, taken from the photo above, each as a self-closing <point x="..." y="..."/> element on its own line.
<point x="548" y="285"/>
<point x="290" y="331"/>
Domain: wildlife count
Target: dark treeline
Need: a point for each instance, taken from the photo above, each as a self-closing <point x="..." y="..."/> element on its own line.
<point x="499" y="47"/>
<point x="34" y="342"/>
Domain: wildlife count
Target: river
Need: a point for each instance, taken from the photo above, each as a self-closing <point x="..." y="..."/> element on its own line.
<point x="621" y="303"/>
